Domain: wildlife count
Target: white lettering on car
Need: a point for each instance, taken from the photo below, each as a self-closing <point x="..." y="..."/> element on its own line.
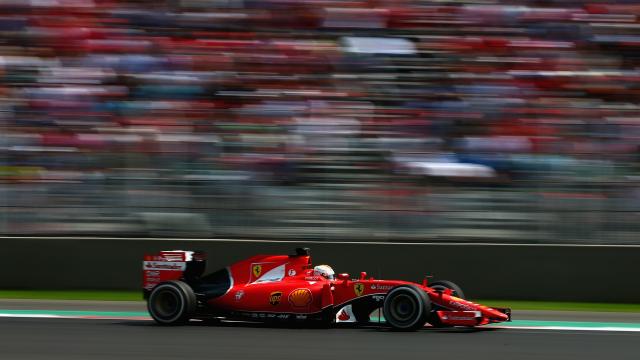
<point x="381" y="287"/>
<point x="165" y="265"/>
<point x="458" y="305"/>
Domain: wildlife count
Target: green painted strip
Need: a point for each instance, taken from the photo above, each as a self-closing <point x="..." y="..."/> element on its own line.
<point x="102" y="295"/>
<point x="77" y="313"/>
<point x="560" y="305"/>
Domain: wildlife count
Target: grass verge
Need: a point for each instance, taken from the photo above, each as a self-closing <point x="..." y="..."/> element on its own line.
<point x="137" y="296"/>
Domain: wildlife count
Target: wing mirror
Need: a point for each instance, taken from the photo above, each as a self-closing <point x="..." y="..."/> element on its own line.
<point x="344" y="276"/>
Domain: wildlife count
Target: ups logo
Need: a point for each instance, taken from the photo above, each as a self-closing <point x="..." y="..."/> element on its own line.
<point x="358" y="288"/>
<point x="274" y="298"/>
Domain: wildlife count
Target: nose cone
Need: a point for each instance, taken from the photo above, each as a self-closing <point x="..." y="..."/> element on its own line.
<point x="496" y="315"/>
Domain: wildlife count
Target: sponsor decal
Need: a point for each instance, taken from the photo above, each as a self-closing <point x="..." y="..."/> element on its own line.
<point x="378" y="298"/>
<point x="153" y="273"/>
<point x="239" y="295"/>
<point x="358" y="288"/>
<point x="313" y="278"/>
<point x="256" y="270"/>
<point x="300" y="297"/>
<point x="381" y="287"/>
<point x="165" y="265"/>
<point x="261" y="315"/>
<point x="274" y="298"/>
<point x="458" y="305"/>
<point x="461" y="318"/>
<point x="301" y="317"/>
<point x="292" y="272"/>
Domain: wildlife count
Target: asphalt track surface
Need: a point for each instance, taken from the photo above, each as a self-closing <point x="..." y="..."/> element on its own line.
<point x="107" y="339"/>
<point x="49" y="338"/>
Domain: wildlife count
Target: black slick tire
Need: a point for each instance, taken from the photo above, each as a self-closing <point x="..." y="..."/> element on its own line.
<point x="406" y="308"/>
<point x="442" y="285"/>
<point x="172" y="303"/>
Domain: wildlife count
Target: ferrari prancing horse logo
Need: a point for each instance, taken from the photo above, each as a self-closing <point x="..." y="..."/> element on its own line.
<point x="358" y="288"/>
<point x="256" y="270"/>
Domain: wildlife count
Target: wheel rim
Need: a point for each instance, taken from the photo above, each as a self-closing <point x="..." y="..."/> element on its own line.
<point x="166" y="304"/>
<point x="403" y="308"/>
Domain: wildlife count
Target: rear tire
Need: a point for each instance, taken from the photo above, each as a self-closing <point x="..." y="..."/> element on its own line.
<point x="406" y="308"/>
<point x="172" y="303"/>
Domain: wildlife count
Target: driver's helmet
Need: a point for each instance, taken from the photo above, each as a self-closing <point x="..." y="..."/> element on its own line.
<point x="325" y="271"/>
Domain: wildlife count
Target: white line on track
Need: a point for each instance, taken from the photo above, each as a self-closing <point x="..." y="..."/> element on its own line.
<point x="142" y="318"/>
<point x="570" y="328"/>
<point x="82" y="238"/>
<point x="35" y="316"/>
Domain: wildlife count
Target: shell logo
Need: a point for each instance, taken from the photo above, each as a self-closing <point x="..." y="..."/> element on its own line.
<point x="300" y="297"/>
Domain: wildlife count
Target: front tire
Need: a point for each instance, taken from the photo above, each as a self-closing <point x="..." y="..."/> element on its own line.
<point x="406" y="308"/>
<point x="172" y="303"/>
<point x="442" y="285"/>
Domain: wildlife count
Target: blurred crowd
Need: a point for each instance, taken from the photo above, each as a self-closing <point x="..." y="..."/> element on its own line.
<point x="214" y="112"/>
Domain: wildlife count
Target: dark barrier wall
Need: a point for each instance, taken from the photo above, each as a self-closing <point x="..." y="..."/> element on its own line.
<point x="484" y="271"/>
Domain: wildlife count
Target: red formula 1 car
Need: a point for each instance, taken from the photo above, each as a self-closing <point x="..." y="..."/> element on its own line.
<point x="289" y="288"/>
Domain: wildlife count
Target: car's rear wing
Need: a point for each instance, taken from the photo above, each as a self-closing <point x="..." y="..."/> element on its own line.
<point x="171" y="265"/>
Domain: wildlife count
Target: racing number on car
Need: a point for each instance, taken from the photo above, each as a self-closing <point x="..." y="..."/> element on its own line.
<point x="256" y="270"/>
<point x="358" y="288"/>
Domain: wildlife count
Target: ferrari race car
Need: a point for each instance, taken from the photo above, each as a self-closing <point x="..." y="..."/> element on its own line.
<point x="288" y="288"/>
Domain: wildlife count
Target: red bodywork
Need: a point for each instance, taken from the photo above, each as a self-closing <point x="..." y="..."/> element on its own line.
<point x="284" y="287"/>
